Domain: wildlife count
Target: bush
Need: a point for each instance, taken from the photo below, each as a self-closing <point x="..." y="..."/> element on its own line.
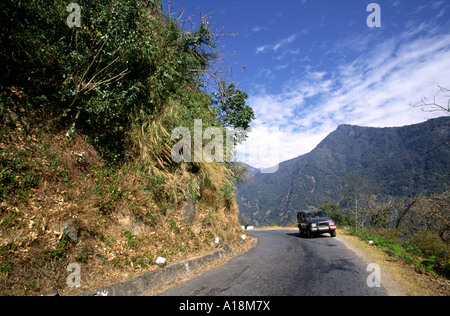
<point x="125" y="64"/>
<point x="17" y="176"/>
<point x="334" y="213"/>
<point x="435" y="250"/>
<point x="426" y="251"/>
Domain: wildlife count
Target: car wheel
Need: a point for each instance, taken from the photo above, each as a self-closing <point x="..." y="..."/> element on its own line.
<point x="333" y="233"/>
<point x="302" y="233"/>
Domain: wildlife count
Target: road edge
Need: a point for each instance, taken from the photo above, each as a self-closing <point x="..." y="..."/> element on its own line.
<point x="392" y="287"/>
<point x="153" y="280"/>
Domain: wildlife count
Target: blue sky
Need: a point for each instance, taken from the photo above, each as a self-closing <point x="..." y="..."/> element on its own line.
<point x="311" y="65"/>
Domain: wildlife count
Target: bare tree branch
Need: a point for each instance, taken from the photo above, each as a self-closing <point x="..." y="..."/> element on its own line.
<point x="436" y="105"/>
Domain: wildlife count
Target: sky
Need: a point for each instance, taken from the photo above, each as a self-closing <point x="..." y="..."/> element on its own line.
<point x="311" y="65"/>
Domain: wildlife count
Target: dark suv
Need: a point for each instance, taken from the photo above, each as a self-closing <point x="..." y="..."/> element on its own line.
<point x="316" y="222"/>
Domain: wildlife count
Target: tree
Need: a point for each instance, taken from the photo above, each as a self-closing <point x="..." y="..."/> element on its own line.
<point x="438" y="103"/>
<point x="359" y="194"/>
<point x="231" y="109"/>
<point x="334" y="213"/>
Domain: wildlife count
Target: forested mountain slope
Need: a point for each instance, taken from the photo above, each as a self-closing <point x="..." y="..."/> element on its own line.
<point x="398" y="161"/>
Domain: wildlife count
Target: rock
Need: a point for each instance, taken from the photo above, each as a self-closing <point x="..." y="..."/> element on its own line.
<point x="188" y="212"/>
<point x="53" y="292"/>
<point x="161" y="261"/>
<point x="69" y="229"/>
<point x="226" y="248"/>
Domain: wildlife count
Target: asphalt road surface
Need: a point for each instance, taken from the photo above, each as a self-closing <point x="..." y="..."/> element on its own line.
<point x="283" y="264"/>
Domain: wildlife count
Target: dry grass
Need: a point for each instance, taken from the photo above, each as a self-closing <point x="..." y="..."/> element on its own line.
<point x="125" y="218"/>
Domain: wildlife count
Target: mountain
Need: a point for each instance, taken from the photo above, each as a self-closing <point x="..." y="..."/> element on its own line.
<point x="397" y="161"/>
<point x="250" y="170"/>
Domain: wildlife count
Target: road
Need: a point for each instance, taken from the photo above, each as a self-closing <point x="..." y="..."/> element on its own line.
<point x="283" y="264"/>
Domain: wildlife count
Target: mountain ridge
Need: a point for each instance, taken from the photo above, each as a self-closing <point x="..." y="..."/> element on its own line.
<point x="398" y="161"/>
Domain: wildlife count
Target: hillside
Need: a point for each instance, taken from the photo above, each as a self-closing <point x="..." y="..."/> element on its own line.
<point x="400" y="161"/>
<point x="88" y="101"/>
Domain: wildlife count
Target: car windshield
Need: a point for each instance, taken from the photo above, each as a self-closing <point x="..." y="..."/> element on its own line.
<point x="318" y="214"/>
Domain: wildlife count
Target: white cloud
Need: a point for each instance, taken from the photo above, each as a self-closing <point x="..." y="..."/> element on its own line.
<point x="259" y="28"/>
<point x="284" y="42"/>
<point x="277" y="46"/>
<point x="375" y="89"/>
<point x="262" y="49"/>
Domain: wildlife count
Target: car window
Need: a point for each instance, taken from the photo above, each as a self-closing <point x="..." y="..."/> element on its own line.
<point x="319" y="214"/>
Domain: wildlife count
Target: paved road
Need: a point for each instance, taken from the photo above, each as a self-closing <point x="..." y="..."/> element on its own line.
<point x="283" y="264"/>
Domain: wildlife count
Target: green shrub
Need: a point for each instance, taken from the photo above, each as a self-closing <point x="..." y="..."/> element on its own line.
<point x="126" y="63"/>
<point x="427" y="251"/>
<point x="17" y="176"/>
